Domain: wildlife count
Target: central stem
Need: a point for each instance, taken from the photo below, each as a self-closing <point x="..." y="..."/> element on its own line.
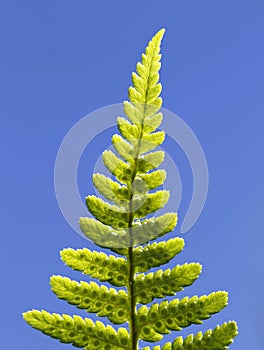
<point x="133" y="334"/>
<point x="132" y="323"/>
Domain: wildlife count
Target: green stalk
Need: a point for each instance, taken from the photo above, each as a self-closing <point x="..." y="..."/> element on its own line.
<point x="132" y="323"/>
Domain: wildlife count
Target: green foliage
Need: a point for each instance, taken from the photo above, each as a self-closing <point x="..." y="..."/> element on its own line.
<point x="165" y="283"/>
<point x="83" y="333"/>
<point x="216" y="339"/>
<point x="97" y="265"/>
<point x="156" y="254"/>
<point x="126" y="227"/>
<point x="93" y="298"/>
<point x="152" y="322"/>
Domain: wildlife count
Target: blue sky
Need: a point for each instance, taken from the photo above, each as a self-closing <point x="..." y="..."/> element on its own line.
<point x="61" y="60"/>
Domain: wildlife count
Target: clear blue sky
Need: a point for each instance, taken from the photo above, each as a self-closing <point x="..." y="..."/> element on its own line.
<point x="63" y="59"/>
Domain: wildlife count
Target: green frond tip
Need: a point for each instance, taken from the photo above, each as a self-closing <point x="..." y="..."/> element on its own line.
<point x="161" y="318"/>
<point x="144" y="94"/>
<point x="93" y="298"/>
<point x="216" y="339"/>
<point x="78" y="331"/>
<point x="97" y="265"/>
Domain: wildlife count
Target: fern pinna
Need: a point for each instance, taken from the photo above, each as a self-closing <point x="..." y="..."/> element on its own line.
<point x="125" y="227"/>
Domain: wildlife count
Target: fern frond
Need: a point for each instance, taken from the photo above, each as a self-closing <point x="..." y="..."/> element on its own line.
<point x="130" y="132"/>
<point x="111" y="190"/>
<point x="78" y="331"/>
<point x="150" y="161"/>
<point x="123" y="225"/>
<point x="142" y="232"/>
<point x="133" y="133"/>
<point x="154" y="179"/>
<point x="156" y="254"/>
<point x="103" y="235"/>
<point x="152" y="122"/>
<point x="97" y="265"/>
<point x="111" y="215"/>
<point x="217" y="339"/>
<point x="120" y="169"/>
<point x="151" y="141"/>
<point x="93" y="298"/>
<point x="165" y="283"/>
<point x="151" y="203"/>
<point x="124" y="148"/>
<point x="161" y="318"/>
<point x="150" y="229"/>
<point x="146" y="88"/>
